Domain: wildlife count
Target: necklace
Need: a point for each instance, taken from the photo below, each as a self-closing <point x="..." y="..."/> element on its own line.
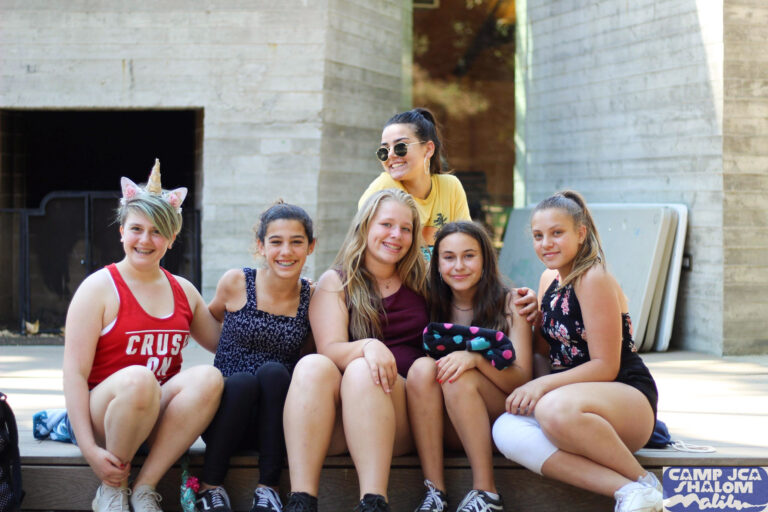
<point x="461" y="309"/>
<point x="385" y="282"/>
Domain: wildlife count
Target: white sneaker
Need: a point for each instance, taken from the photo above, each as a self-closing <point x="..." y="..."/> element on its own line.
<point x="144" y="498"/>
<point x="638" y="497"/>
<point x="111" y="499"/>
<point x="651" y="481"/>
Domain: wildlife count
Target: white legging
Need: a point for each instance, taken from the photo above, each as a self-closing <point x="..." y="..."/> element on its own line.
<point x="520" y="438"/>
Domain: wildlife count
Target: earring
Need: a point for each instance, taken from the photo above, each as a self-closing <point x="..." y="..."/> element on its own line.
<point x="426" y="166"/>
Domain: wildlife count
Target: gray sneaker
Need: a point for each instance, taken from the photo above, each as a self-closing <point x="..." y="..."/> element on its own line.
<point x="265" y="499"/>
<point x="480" y="501"/>
<point x="144" y="498"/>
<point x="111" y="499"/>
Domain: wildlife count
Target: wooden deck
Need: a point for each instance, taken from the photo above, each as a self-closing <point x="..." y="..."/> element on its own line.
<point x="722" y="402"/>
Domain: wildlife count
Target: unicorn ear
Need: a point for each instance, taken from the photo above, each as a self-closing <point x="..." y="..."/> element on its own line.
<point x="130" y="189"/>
<point x="176" y="196"/>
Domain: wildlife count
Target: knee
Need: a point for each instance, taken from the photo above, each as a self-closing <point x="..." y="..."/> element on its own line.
<point x="315" y="372"/>
<point x="273" y="374"/>
<point x="209" y="382"/>
<point x="520" y="438"/>
<point x="422" y="375"/>
<point x="357" y="376"/>
<point x="465" y="386"/>
<point x="140" y="388"/>
<point x="274" y="379"/>
<point x="555" y="415"/>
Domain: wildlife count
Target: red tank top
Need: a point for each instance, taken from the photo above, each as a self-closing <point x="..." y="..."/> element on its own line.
<point x="137" y="338"/>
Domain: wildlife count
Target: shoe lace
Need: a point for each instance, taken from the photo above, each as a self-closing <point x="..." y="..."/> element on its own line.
<point x="432" y="498"/>
<point x="298" y="503"/>
<point x="119" y="500"/>
<point x="149" y="499"/>
<point x="372" y="503"/>
<point x="473" y="502"/>
<point x="267" y="498"/>
<point x="217" y="498"/>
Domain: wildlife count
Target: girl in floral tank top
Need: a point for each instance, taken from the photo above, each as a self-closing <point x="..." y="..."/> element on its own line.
<point x="582" y="422"/>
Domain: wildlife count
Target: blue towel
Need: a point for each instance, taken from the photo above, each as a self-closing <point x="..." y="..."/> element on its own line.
<point x="52" y="424"/>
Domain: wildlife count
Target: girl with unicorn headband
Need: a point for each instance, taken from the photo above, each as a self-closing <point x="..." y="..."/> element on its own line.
<point x="125" y="330"/>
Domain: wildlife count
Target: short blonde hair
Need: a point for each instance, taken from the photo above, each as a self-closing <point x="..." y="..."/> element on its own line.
<point x="158" y="210"/>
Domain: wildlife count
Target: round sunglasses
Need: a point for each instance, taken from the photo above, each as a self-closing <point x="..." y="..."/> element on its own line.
<point x="400" y="149"/>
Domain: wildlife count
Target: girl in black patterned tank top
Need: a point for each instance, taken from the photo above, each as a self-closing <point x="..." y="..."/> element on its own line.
<point x="582" y="422"/>
<point x="265" y="324"/>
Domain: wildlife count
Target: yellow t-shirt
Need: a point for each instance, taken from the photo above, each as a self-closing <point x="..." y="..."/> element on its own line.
<point x="445" y="203"/>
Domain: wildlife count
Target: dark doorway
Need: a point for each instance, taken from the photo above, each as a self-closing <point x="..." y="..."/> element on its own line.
<point x="59" y="185"/>
<point x="463" y="70"/>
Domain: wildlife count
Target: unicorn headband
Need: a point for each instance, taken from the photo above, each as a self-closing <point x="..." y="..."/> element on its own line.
<point x="130" y="190"/>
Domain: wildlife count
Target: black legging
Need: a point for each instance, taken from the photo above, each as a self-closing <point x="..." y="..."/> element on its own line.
<point x="250" y="416"/>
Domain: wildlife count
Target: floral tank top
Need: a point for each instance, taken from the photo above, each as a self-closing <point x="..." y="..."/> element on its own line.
<point x="562" y="325"/>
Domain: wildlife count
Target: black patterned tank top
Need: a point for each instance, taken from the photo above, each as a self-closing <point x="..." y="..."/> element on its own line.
<point x="251" y="337"/>
<point x="562" y="325"/>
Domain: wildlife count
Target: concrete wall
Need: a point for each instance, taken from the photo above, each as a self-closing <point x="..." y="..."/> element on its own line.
<point x="745" y="177"/>
<point x="623" y="101"/>
<point x="294" y="95"/>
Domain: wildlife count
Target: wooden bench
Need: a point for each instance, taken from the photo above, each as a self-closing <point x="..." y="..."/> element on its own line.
<point x="56" y="477"/>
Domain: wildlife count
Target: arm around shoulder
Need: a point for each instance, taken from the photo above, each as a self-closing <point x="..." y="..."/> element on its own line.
<point x="230" y="285"/>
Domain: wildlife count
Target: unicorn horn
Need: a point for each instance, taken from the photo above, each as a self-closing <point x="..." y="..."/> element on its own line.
<point x="153" y="184"/>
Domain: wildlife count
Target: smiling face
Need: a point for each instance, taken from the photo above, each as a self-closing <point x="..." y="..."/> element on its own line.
<point x="408" y="168"/>
<point x="390" y="233"/>
<point x="285" y="247"/>
<point x="142" y="242"/>
<point x="556" y="239"/>
<point x="460" y="260"/>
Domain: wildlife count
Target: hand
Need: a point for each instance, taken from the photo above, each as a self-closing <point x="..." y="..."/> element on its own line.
<point x="527" y="304"/>
<point x="382" y="364"/>
<point x="450" y="367"/>
<point x="524" y="398"/>
<point x="108" y="468"/>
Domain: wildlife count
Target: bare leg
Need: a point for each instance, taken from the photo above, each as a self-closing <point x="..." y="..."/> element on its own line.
<point x="124" y="410"/>
<point x="376" y="425"/>
<point x="597" y="426"/>
<point x="309" y="419"/>
<point x="189" y="401"/>
<point x="473" y="402"/>
<point x="425" y="411"/>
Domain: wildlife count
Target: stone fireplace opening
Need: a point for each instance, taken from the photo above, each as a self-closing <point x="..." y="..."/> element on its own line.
<point x="59" y="184"/>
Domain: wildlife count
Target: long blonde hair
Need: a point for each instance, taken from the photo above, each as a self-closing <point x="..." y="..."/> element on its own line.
<point x="362" y="295"/>
<point x="590" y="251"/>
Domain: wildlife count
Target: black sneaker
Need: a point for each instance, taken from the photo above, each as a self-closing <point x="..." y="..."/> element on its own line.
<point x="480" y="501"/>
<point x="434" y="500"/>
<point x="300" y="502"/>
<point x="213" y="500"/>
<point x="373" y="503"/>
<point x="266" y="499"/>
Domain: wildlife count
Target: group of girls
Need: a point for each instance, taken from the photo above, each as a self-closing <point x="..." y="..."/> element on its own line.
<point x="368" y="389"/>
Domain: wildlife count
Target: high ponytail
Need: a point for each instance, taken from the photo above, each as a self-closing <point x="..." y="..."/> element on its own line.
<point x="590" y="252"/>
<point x="426" y="129"/>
